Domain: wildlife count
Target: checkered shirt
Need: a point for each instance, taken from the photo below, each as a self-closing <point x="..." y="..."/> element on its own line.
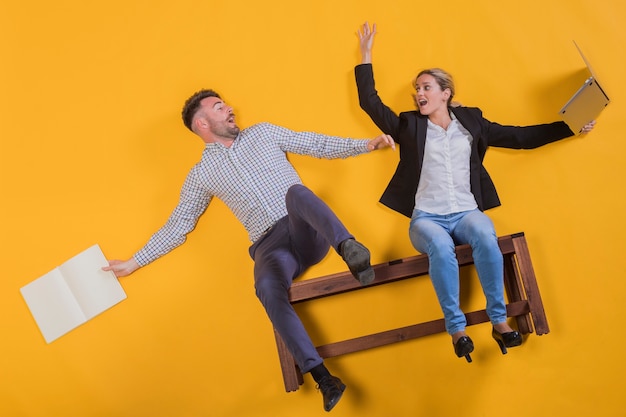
<point x="251" y="177"/>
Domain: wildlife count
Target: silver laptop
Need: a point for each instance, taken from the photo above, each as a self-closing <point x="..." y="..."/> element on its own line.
<point x="587" y="103"/>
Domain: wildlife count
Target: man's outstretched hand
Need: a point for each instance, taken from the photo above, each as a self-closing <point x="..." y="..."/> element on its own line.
<point x="122" y="268"/>
<point x="382" y="141"/>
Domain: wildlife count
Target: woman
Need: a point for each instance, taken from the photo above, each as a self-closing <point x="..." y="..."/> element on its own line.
<point x="441" y="184"/>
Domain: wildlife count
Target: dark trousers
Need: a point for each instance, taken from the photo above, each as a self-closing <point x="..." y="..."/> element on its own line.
<point x="297" y="241"/>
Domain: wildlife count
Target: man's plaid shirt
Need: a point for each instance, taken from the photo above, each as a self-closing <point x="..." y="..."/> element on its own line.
<point x="251" y="177"/>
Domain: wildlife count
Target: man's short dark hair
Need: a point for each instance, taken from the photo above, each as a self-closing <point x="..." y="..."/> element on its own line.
<point x="193" y="104"/>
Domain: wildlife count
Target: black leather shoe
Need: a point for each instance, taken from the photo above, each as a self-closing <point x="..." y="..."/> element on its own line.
<point x="463" y="347"/>
<point x="332" y="388"/>
<point x="505" y="340"/>
<point x="357" y="257"/>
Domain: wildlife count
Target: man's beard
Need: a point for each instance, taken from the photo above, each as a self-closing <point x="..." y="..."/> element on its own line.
<point x="229" y="132"/>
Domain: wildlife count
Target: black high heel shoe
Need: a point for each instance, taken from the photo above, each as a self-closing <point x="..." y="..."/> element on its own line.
<point x="508" y="339"/>
<point x="463" y="347"/>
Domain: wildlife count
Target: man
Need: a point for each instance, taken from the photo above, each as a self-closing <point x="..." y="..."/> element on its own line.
<point x="290" y="228"/>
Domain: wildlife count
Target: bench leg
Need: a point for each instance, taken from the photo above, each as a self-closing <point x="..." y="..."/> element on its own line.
<point x="515" y="292"/>
<point x="530" y="284"/>
<point x="292" y="376"/>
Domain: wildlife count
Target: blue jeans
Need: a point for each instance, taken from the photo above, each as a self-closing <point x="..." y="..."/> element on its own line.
<point x="297" y="241"/>
<point x="436" y="236"/>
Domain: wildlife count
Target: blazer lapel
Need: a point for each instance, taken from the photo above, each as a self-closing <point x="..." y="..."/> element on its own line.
<point x="420" y="129"/>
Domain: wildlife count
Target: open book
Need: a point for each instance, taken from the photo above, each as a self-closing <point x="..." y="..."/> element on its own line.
<point x="72" y="293"/>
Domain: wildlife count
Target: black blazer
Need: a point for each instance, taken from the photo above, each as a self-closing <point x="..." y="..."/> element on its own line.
<point x="409" y="131"/>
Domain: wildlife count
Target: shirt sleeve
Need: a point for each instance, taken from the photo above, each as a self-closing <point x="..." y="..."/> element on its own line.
<point x="193" y="202"/>
<point x="315" y="144"/>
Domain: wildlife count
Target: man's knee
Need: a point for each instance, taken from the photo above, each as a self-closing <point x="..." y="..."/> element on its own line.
<point x="297" y="189"/>
<point x="296" y="195"/>
<point x="267" y="289"/>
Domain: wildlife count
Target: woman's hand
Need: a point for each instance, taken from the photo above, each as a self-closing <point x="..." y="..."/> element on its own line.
<point x="366" y="40"/>
<point x="588" y="127"/>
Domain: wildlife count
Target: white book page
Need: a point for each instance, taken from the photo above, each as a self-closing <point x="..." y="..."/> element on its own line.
<point x="95" y="290"/>
<point x="53" y="305"/>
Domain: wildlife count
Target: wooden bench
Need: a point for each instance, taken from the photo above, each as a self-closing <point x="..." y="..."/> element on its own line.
<point x="523" y="302"/>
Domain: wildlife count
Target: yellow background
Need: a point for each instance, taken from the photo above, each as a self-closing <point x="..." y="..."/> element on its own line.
<point x="93" y="151"/>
